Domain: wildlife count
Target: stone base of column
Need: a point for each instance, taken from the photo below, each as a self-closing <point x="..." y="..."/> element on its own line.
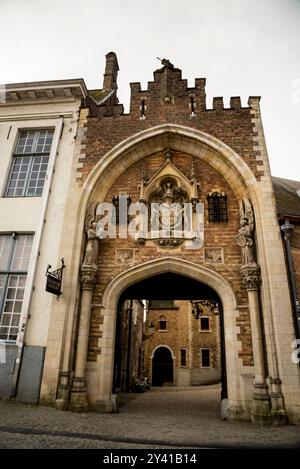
<point x="278" y="411"/>
<point x="279" y="414"/>
<point x="261" y="411"/>
<point x="280" y="417"/>
<point x="63" y="392"/>
<point x="103" y="406"/>
<point x="234" y="412"/>
<point x="78" y="396"/>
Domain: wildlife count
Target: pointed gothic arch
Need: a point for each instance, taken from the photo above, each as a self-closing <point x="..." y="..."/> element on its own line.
<point x="102" y="390"/>
<point x="242" y="181"/>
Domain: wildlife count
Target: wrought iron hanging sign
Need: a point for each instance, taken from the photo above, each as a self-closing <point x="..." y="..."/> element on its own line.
<point x="54" y="279"/>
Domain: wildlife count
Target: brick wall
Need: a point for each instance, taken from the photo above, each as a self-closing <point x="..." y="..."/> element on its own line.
<point x="183" y="332"/>
<point x="215" y="235"/>
<point x="169" y="100"/>
<point x="107" y="126"/>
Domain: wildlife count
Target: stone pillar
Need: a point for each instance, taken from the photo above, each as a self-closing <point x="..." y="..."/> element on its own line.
<point x="251" y="280"/>
<point x="78" y="400"/>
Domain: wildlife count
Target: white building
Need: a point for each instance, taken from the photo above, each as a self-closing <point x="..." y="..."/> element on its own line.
<point x="38" y="128"/>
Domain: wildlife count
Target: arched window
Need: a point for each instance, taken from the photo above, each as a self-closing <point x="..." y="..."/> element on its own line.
<point x="217" y="207"/>
<point x="163" y="323"/>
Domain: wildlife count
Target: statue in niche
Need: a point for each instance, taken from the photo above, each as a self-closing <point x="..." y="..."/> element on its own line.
<point x="244" y="238"/>
<point x="91" y="249"/>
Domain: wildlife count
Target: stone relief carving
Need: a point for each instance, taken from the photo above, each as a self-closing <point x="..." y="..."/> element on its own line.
<point x="125" y="256"/>
<point x="213" y="255"/>
<point x="167" y="192"/>
<point x="88" y="276"/>
<point x="251" y="278"/>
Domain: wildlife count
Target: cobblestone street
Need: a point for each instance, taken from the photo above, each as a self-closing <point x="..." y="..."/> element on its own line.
<point x="161" y="418"/>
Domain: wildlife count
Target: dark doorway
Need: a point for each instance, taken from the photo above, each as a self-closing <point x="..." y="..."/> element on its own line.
<point x="162" y="367"/>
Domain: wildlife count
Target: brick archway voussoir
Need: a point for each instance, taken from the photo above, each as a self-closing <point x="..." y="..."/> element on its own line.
<point x="194" y="142"/>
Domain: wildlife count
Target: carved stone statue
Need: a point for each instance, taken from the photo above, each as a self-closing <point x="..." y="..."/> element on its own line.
<point x="91" y="248"/>
<point x="245" y="241"/>
<point x="244" y="238"/>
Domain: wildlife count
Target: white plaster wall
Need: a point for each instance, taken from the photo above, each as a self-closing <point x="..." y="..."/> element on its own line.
<point x="24" y="214"/>
<point x="18" y="214"/>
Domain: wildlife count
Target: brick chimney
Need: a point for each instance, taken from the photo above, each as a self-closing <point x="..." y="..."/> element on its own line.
<point x="111" y="72"/>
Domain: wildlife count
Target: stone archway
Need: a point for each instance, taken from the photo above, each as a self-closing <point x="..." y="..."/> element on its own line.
<point x="238" y="174"/>
<point x="241" y="179"/>
<point x="100" y="375"/>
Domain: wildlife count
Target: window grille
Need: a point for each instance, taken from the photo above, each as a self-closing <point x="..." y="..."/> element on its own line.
<point x="121" y="218"/>
<point x="217" y="207"/>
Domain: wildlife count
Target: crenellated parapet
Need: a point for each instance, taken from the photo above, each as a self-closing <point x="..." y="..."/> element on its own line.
<point x="168" y="95"/>
<point x="169" y="99"/>
<point x="168" y="90"/>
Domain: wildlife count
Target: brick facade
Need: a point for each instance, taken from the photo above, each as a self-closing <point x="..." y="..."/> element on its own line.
<point x="220" y="235"/>
<point x="107" y="125"/>
<point x="168" y="99"/>
<point x="183" y="332"/>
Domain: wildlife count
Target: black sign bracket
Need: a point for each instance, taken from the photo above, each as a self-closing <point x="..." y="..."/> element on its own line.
<point x="54" y="279"/>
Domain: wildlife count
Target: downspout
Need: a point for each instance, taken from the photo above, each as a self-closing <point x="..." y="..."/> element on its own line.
<point x="287" y="229"/>
<point x="34" y="255"/>
<point x="129" y="346"/>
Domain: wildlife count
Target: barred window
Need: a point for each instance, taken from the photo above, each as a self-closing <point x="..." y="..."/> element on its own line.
<point x="29" y="165"/>
<point x="14" y="260"/>
<point x="121" y="203"/>
<point x="217" y="207"/>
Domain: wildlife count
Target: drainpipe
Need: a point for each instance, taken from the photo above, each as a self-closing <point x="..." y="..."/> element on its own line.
<point x="287" y="229"/>
<point x="129" y="346"/>
<point x="35" y="254"/>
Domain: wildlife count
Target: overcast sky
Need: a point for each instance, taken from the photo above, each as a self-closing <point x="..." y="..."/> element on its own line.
<point x="242" y="47"/>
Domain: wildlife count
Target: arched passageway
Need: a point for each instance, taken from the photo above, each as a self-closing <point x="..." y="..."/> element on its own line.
<point x="174" y="353"/>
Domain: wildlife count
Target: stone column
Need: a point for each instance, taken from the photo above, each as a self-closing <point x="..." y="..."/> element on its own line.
<point x="78" y="400"/>
<point x="251" y="281"/>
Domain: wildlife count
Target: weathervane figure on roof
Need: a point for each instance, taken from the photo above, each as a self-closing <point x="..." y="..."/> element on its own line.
<point x="165" y="62"/>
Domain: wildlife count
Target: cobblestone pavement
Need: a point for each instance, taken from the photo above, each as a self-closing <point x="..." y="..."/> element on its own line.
<point x="161" y="418"/>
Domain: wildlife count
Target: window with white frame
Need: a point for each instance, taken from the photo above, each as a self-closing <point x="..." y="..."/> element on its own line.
<point x="204" y="323"/>
<point x="15" y="252"/>
<point x="29" y="164"/>
<point x="205" y="358"/>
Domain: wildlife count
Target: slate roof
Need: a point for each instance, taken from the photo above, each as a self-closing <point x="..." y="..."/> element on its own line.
<point x="287" y="198"/>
